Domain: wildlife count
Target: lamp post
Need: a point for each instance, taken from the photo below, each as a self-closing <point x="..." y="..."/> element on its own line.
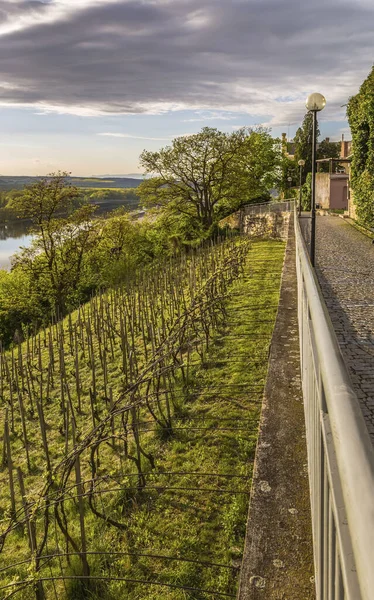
<point x="314" y="103"/>
<point x="301" y="164"/>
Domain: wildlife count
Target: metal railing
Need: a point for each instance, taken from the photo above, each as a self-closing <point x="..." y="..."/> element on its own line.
<point x="267" y="207"/>
<point x="340" y="452"/>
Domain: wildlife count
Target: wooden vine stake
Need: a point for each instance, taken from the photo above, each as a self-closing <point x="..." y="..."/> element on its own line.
<point x="10" y="466"/>
<point x="80" y="492"/>
<point x="31" y="531"/>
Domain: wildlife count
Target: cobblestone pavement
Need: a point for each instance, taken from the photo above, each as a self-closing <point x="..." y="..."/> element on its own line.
<point x="345" y="269"/>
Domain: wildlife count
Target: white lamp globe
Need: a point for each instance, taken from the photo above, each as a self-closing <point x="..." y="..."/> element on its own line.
<point x="315" y="102"/>
<point x="301" y="163"/>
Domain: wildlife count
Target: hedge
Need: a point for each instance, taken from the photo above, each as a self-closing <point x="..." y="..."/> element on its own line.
<point x="360" y="113"/>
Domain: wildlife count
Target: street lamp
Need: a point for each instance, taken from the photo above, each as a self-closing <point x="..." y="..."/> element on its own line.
<point x="289" y="180"/>
<point x="301" y="164"/>
<point x="314" y="103"/>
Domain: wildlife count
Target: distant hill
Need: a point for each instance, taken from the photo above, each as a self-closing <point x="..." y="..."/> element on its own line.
<point x="125" y="176"/>
<point x="17" y="182"/>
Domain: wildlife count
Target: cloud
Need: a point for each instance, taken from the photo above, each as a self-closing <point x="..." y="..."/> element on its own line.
<point x="112" y="57"/>
<point x="134" y="137"/>
<point x="140" y="137"/>
<point x="18" y="15"/>
<point x="202" y="116"/>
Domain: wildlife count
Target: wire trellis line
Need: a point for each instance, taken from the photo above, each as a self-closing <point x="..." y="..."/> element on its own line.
<point x="56" y="555"/>
<point x="127" y="579"/>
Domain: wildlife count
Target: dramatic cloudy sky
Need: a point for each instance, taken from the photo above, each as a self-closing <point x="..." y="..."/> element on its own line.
<point x="85" y="85"/>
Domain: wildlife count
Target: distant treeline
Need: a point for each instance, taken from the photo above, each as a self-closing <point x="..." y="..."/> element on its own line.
<point x="109" y="198"/>
<point x="8" y="183"/>
<point x="106" y="199"/>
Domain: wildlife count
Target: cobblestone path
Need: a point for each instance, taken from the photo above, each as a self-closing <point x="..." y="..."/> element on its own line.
<point x="345" y="269"/>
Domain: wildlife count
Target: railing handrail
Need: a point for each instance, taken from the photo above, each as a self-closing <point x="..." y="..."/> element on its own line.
<point x="352" y="444"/>
<point x="269" y="204"/>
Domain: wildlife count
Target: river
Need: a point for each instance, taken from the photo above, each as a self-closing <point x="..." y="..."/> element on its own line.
<point x="12" y="237"/>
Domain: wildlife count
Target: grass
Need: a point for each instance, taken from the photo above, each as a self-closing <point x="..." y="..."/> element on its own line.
<point x="207" y="459"/>
<point x="368" y="231"/>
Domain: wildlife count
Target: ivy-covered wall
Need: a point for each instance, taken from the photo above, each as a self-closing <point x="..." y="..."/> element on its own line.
<point x="360" y="112"/>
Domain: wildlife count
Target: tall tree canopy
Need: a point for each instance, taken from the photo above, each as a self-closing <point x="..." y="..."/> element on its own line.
<point x="290" y="175"/>
<point x="206" y="176"/>
<point x="303" y="143"/>
<point x="360" y="112"/>
<point x="303" y="146"/>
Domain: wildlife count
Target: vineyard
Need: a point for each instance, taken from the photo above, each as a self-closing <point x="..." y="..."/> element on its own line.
<point x="129" y="429"/>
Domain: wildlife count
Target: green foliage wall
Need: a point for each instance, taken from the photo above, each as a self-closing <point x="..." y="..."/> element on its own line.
<point x="360" y="112"/>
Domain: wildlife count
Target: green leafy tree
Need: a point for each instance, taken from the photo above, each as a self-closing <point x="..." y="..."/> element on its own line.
<point x="289" y="169"/>
<point x="303" y="143"/>
<point x="360" y="112"/>
<point x="327" y="149"/>
<point x="45" y="200"/>
<point x="7" y="212"/>
<point x="54" y="259"/>
<point x="306" y="193"/>
<point x="206" y="176"/>
<point x="19" y="304"/>
<point x="121" y="247"/>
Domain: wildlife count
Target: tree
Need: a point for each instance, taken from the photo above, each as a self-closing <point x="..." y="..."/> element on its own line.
<point x="44" y="200"/>
<point x="121" y="247"/>
<point x="303" y="143"/>
<point x="19" y="304"/>
<point x="289" y="169"/>
<point x="206" y="176"/>
<point x="360" y="112"/>
<point x="54" y="259"/>
<point x="306" y="193"/>
<point x="327" y="149"/>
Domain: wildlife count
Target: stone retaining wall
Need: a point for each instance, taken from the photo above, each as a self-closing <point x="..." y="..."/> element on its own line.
<point x="272" y="225"/>
<point x="258" y="223"/>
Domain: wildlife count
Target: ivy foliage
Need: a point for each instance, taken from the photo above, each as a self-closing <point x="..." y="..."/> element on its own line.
<point x="360" y="113"/>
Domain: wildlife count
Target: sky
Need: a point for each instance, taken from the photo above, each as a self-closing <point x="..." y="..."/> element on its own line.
<point x="86" y="85"/>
